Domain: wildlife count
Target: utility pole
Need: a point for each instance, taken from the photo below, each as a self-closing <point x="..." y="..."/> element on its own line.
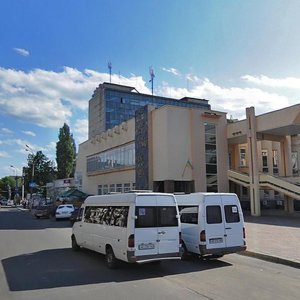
<point x="109" y="65"/>
<point x="31" y="184"/>
<point x="151" y="71"/>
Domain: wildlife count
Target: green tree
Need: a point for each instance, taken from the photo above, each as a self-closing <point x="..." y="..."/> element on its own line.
<point x="65" y="153"/>
<point x="40" y="170"/>
<point x="7" y="183"/>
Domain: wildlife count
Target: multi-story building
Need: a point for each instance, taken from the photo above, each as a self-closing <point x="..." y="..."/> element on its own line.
<point x="112" y="104"/>
<point x="139" y="141"/>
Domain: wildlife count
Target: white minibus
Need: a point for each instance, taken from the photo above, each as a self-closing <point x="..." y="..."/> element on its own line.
<point x="212" y="224"/>
<point x="132" y="227"/>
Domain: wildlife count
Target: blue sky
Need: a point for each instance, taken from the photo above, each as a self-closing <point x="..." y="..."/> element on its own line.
<point x="54" y="53"/>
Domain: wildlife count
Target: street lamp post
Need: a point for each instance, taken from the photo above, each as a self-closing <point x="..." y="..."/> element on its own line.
<point x="16" y="179"/>
<point x="32" y="174"/>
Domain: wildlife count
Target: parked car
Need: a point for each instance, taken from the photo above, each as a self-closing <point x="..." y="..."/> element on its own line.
<point x="43" y="211"/>
<point x="10" y="203"/>
<point x="64" y="211"/>
<point x="3" y="201"/>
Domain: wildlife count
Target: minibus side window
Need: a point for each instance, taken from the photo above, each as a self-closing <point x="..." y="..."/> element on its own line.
<point x="107" y="215"/>
<point x="87" y="214"/>
<point x="119" y="216"/>
<point x="232" y="214"/>
<point x="188" y="214"/>
<point x="146" y="216"/>
<point x="213" y="214"/>
<point x="167" y="216"/>
<point x="80" y="214"/>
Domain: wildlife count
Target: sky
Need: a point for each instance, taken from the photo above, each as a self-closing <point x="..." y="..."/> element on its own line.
<point x="54" y="53"/>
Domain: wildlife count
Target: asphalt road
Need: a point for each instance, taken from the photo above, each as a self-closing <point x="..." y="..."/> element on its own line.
<point x="38" y="263"/>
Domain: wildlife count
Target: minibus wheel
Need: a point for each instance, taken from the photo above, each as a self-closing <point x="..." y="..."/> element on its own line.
<point x="75" y="246"/>
<point x="110" y="258"/>
<point x="185" y="255"/>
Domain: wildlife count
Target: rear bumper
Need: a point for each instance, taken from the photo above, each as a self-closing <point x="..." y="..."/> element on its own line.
<point x="63" y="216"/>
<point x="41" y="214"/>
<point x="148" y="258"/>
<point x="221" y="251"/>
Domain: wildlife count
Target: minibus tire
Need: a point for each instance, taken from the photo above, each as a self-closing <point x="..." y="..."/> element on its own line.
<point x="110" y="258"/>
<point x="185" y="255"/>
<point x="75" y="246"/>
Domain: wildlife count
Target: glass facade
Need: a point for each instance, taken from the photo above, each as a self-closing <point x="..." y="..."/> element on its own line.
<point x="211" y="157"/>
<point x="116" y="158"/>
<point x="121" y="106"/>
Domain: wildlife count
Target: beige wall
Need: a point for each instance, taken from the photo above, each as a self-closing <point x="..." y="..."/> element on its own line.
<point x="178" y="136"/>
<point x="119" y="135"/>
<point x="171" y="144"/>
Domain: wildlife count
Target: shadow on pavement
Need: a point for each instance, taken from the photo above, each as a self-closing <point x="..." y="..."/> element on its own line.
<point x="24" y="220"/>
<point x="291" y="221"/>
<point x="64" y="267"/>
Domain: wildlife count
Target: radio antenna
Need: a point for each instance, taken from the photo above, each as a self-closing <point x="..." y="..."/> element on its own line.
<point x="109" y="65"/>
<point x="151" y="72"/>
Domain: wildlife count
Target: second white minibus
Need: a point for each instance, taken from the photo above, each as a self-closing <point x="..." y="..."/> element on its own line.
<point x="132" y="227"/>
<point x="212" y="224"/>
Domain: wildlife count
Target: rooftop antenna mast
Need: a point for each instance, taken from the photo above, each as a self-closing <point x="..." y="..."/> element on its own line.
<point x="151" y="71"/>
<point x="109" y="65"/>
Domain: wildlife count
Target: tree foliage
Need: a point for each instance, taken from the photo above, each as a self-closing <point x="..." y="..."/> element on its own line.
<point x="65" y="153"/>
<point x="40" y="170"/>
<point x="5" y="183"/>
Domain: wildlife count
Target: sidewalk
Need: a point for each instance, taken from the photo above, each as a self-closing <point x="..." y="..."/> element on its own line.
<point x="274" y="238"/>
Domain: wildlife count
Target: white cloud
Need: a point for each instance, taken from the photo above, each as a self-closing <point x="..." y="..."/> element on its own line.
<point x="232" y="100"/>
<point x="4" y="154"/>
<point x="6" y="131"/>
<point x="81" y="130"/>
<point x="171" y="70"/>
<point x="262" y="80"/>
<point x="22" y="51"/>
<point x="28" y="132"/>
<point x="192" y="78"/>
<point x="48" y="97"/>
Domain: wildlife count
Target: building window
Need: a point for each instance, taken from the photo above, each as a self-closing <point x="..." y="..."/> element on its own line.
<point x="243" y="157"/>
<point x="99" y="189"/>
<point x="117" y="158"/>
<point x="112" y="188"/>
<point x="264" y="154"/>
<point x="119" y="188"/>
<point x="105" y="189"/>
<point x="244" y="191"/>
<point x="275" y="161"/>
<point x="295" y="163"/>
<point x="211" y="157"/>
<point x="126" y="187"/>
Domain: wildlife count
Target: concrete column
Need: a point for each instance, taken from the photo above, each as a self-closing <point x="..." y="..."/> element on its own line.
<point x="286" y="157"/>
<point x="289" y="205"/>
<point x="253" y="165"/>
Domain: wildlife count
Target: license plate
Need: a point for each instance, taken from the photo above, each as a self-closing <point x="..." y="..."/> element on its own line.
<point x="215" y="240"/>
<point x="146" y="246"/>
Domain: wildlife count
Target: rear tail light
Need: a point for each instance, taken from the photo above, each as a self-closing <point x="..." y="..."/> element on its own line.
<point x="131" y="241"/>
<point x="202" y="236"/>
<point x="244" y="233"/>
<point x="180" y="239"/>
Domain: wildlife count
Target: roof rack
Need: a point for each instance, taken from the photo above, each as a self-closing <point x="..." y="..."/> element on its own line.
<point x="140" y="191"/>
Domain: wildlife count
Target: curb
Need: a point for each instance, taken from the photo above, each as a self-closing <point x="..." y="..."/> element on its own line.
<point x="271" y="258"/>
